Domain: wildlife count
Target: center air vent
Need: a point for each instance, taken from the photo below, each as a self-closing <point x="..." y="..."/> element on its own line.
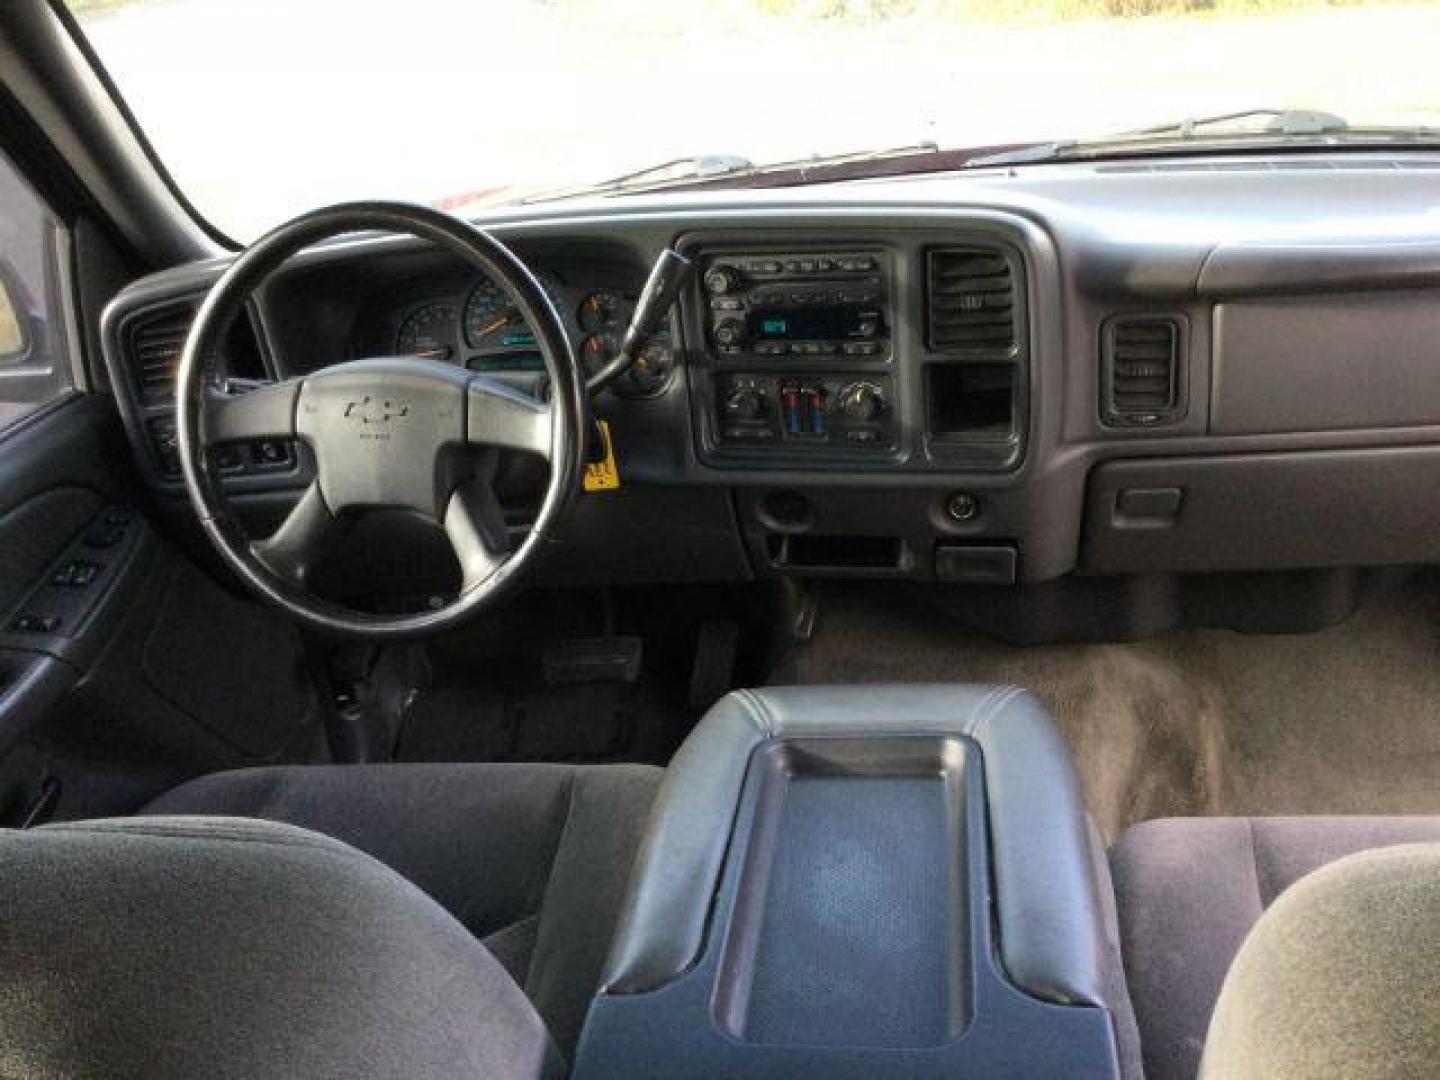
<point x="1141" y="370"/>
<point x="155" y="346"/>
<point x="971" y="293"/>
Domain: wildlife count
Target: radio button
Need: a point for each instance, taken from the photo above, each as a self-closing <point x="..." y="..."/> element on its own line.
<point x="720" y="280"/>
<point x="728" y="331"/>
<point x="726" y="303"/>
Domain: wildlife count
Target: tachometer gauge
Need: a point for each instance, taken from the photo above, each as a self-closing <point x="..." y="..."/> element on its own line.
<point x="599" y="310"/>
<point x="492" y="321"/>
<point x="428" y="333"/>
<point x="597" y="350"/>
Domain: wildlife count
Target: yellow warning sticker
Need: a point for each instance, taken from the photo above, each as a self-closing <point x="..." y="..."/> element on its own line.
<point x="603" y="475"/>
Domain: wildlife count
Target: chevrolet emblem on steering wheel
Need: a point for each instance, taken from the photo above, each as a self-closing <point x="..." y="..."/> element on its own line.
<point x="369" y="411"/>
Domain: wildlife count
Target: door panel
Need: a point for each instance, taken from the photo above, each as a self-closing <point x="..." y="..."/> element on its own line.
<point x="153" y="673"/>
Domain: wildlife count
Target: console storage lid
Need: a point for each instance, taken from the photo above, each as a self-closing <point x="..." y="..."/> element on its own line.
<point x="751" y="894"/>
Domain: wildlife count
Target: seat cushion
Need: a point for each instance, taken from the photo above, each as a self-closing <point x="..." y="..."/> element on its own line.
<point x="185" y="947"/>
<point x="1189" y="890"/>
<point x="532" y="859"/>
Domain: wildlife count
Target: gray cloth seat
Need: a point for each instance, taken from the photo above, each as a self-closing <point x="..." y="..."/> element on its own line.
<point x="1188" y="892"/>
<point x="532" y="859"/>
<point x="1339" y="978"/>
<point x="218" y="947"/>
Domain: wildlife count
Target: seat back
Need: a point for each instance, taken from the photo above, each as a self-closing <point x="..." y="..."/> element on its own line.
<point x="1339" y="978"/>
<point x="183" y="947"/>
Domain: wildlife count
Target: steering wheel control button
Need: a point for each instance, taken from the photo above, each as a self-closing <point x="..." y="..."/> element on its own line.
<point x="269" y="453"/>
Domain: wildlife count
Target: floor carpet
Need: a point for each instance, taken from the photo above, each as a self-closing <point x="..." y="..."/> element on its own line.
<point x="1342" y="721"/>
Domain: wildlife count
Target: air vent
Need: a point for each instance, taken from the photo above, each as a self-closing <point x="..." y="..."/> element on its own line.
<point x="1141" y="370"/>
<point x="972" y="299"/>
<point x="155" y="346"/>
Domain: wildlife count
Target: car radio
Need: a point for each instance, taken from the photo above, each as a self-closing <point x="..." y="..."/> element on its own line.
<point x="799" y="343"/>
<point x="831" y="305"/>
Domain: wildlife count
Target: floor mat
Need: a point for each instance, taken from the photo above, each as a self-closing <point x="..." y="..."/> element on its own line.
<point x="493" y="691"/>
<point x="1346" y="720"/>
<point x="465" y="721"/>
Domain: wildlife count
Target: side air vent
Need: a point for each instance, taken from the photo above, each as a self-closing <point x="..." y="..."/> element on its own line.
<point x="1140" y="371"/>
<point x="155" y="346"/>
<point x="971" y="297"/>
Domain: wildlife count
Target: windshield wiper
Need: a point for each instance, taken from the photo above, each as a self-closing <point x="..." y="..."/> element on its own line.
<point x="702" y="168"/>
<point x="1284" y="127"/>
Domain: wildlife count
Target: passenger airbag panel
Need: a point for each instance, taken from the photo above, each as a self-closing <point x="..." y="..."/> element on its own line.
<point x="1327" y="363"/>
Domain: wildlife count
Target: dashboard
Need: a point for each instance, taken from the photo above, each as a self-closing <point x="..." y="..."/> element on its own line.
<point x="1001" y="380"/>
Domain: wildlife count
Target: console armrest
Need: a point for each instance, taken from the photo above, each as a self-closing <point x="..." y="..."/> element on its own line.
<point x="1051" y="930"/>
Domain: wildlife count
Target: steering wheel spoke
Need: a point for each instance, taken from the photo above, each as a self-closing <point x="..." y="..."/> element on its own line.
<point x="267" y="412"/>
<point x="475" y="525"/>
<point x="308" y="532"/>
<point x="501" y="416"/>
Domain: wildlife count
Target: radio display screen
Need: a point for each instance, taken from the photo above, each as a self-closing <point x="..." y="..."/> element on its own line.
<point x="830" y="322"/>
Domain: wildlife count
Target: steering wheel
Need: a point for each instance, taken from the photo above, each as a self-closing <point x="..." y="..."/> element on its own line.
<point x="386" y="433"/>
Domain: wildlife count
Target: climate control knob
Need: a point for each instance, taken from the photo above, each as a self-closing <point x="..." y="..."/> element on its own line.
<point x="728" y="332"/>
<point x="862" y="402"/>
<point x="745" y="403"/>
<point x="720" y="280"/>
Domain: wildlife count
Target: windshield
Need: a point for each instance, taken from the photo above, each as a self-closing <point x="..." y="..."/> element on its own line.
<point x="264" y="108"/>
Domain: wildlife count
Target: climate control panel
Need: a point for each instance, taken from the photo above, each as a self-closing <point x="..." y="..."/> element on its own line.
<point x="805" y="411"/>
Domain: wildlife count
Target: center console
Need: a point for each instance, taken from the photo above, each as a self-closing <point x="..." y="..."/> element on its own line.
<point x="803" y="344"/>
<point x="867" y="882"/>
<point x="846" y="351"/>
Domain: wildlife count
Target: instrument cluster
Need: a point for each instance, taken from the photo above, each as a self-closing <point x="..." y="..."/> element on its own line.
<point x="483" y="330"/>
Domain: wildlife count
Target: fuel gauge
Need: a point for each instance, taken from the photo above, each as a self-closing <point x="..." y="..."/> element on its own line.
<point x="597" y="350"/>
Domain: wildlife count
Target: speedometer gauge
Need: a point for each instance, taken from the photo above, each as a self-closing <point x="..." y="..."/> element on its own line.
<point x="428" y="333"/>
<point x="492" y="321"/>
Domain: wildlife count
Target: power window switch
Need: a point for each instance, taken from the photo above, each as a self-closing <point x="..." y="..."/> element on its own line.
<point x="30" y="623"/>
<point x="103" y="536"/>
<point x="76" y="574"/>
